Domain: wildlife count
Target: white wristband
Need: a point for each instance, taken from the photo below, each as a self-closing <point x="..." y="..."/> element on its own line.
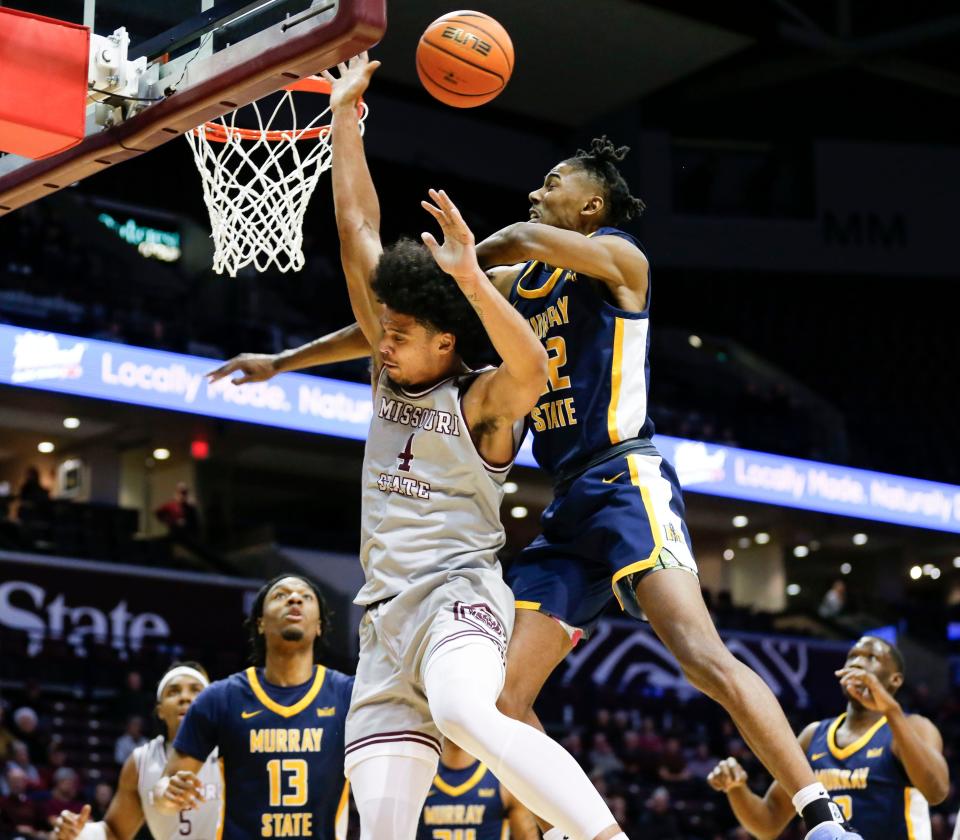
<point x="93" y="831"/>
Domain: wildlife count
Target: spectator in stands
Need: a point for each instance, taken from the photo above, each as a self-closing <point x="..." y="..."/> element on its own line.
<point x="56" y="759"/>
<point x="6" y="737"/>
<point x="20" y="760"/>
<point x="132" y="699"/>
<point x="34" y="497"/>
<point x="63" y="797"/>
<point x="700" y="761"/>
<point x="19" y="814"/>
<point x="834" y="601"/>
<point x="673" y="766"/>
<point x="27" y="729"/>
<point x="180" y="515"/>
<point x="102" y="794"/>
<point x="602" y="757"/>
<point x="131" y="739"/>
<point x="658" y="821"/>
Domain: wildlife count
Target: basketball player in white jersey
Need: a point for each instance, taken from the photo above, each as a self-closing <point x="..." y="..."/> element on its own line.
<point x="438" y="614"/>
<point x="132" y="805"/>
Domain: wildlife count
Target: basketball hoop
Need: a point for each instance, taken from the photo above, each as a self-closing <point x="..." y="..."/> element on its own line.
<point x="257" y="182"/>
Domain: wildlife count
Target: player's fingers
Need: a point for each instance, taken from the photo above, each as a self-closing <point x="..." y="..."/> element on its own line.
<point x="243" y="380"/>
<point x="436" y="212"/>
<point x="220" y="372"/>
<point x="342" y="68"/>
<point x="326" y="74"/>
<point x="84" y="815"/>
<point x="431" y="244"/>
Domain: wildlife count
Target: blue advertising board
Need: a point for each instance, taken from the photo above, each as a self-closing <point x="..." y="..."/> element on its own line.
<point x="173" y="381"/>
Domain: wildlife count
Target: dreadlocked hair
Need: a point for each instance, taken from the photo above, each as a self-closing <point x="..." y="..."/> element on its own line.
<point x="409" y="281"/>
<point x="601" y="163"/>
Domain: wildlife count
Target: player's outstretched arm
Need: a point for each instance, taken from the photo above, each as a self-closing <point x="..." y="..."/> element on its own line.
<point x="344" y="345"/>
<point x="512" y="390"/>
<point x="916" y="741"/>
<point x="123" y="818"/>
<point x="354" y="197"/>
<point x="610" y="259"/>
<point x="180" y="788"/>
<point x="763" y="817"/>
<point x="523" y="825"/>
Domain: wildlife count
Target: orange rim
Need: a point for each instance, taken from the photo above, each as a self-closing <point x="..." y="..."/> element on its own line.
<point x="217" y="132"/>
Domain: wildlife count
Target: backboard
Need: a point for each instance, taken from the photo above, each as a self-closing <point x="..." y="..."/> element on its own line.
<point x="204" y="58"/>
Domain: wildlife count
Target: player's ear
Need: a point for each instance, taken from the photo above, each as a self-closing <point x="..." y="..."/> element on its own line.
<point x="894" y="683"/>
<point x="593" y="206"/>
<point x="446" y="342"/>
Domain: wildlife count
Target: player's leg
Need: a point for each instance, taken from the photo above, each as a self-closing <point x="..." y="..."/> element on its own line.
<point x="666" y="594"/>
<point x="390" y="791"/>
<point x="462" y="685"/>
<point x="538" y="645"/>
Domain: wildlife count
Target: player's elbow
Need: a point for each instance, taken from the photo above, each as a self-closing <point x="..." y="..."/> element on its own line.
<point x="937" y="789"/>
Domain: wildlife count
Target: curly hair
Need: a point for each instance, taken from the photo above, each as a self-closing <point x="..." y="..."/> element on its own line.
<point x="600" y="162"/>
<point x="258" y="642"/>
<point x="409" y="281"/>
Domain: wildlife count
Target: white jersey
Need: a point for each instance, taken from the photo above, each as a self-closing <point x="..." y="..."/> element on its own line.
<point x="199" y="823"/>
<point x="431" y="504"/>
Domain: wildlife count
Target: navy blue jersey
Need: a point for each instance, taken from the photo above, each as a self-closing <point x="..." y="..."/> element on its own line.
<point x="464" y="805"/>
<point x="599" y="371"/>
<point x="281" y="752"/>
<point x="869" y="783"/>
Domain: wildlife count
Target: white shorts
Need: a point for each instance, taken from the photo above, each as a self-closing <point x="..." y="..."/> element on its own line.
<point x="389" y="713"/>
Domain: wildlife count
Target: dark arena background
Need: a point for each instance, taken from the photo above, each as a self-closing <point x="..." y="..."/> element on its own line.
<point x="801" y="178"/>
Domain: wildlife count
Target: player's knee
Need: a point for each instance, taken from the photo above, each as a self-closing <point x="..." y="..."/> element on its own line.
<point x="456" y="717"/>
<point x="710" y="668"/>
<point x="513" y="703"/>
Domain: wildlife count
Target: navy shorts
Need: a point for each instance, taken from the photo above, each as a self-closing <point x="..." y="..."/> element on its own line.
<point x="619" y="519"/>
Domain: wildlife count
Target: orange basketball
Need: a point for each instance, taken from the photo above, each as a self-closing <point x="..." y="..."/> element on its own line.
<point x="465" y="59"/>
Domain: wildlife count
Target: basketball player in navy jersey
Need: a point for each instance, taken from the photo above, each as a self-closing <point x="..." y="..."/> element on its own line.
<point x="615" y="527"/>
<point x="278" y="726"/>
<point x="466" y="802"/>
<point x="881" y="765"/>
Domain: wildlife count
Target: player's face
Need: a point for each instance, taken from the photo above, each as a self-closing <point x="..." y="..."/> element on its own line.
<point x="567" y="199"/>
<point x="411" y="353"/>
<point x="872" y="655"/>
<point x="177" y="696"/>
<point x="291" y="613"/>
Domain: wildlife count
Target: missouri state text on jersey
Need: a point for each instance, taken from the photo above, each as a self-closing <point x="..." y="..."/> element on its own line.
<point x="599" y="371"/>
<point x="281" y="752"/>
<point x="869" y="783"/>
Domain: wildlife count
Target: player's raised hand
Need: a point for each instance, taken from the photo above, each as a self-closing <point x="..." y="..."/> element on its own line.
<point x="255" y="367"/>
<point x="184" y="791"/>
<point x="457" y="256"/>
<point x="69" y="825"/>
<point x="352" y="82"/>
<point x="727" y="775"/>
<point x="866" y="689"/>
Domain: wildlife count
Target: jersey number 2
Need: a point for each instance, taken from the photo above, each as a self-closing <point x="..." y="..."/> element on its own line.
<point x="556" y="359"/>
<point x="296" y="768"/>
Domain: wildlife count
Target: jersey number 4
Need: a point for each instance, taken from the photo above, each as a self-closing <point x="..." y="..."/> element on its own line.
<point x="406" y="456"/>
<point x="293" y="772"/>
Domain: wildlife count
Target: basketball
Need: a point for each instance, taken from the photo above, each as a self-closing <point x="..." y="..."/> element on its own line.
<point x="465" y="59"/>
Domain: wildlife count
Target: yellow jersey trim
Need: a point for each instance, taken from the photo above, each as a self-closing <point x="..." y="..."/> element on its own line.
<point x="616" y="377"/>
<point x="344" y="801"/>
<point x="505" y="830"/>
<point x="296" y="708"/>
<point x="857" y="745"/>
<point x="459" y="790"/>
<point x="527" y="605"/>
<point x="544" y="290"/>
<point x="223" y="800"/>
<point x="640" y="565"/>
<point x="911" y="833"/>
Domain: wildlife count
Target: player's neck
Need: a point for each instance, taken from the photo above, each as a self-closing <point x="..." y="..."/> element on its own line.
<point x="286" y="668"/>
<point x="457" y="760"/>
<point x="859" y="718"/>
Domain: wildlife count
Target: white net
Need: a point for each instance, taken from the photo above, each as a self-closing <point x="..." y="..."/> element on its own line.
<point x="257" y="183"/>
